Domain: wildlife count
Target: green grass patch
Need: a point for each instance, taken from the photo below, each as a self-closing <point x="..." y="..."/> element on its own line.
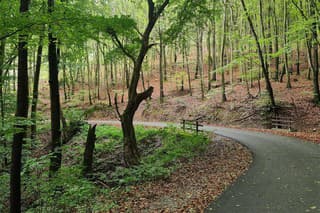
<point x="175" y="145"/>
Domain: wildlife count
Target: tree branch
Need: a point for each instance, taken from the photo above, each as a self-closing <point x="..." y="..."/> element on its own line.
<point x="151" y="45"/>
<point x="151" y="9"/>
<point x="161" y="8"/>
<point x="119" y="44"/>
<point x="143" y="96"/>
<point x="299" y="9"/>
<point x="140" y="33"/>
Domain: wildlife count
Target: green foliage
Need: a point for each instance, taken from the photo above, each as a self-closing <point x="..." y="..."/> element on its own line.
<point x="109" y="132"/>
<point x="4" y="190"/>
<point x="108" y="147"/>
<point x="264" y="101"/>
<point x="176" y="144"/>
<point x="73" y="114"/>
<point x="68" y="191"/>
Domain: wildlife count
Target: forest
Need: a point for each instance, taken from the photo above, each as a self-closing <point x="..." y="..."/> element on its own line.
<point x="158" y="105"/>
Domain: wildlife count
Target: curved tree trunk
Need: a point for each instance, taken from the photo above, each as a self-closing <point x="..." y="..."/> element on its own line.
<point x="130" y="148"/>
<point x="131" y="154"/>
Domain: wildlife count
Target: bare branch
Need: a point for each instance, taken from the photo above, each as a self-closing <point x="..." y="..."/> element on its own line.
<point x="151" y="45"/>
<point x="140" y="33"/>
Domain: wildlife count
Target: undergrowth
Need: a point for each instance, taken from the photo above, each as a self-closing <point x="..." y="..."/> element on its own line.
<point x="162" y="151"/>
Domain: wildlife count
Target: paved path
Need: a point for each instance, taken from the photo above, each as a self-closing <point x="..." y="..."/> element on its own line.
<point x="284" y="176"/>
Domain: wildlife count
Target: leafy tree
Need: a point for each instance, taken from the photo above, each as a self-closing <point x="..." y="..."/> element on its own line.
<point x="131" y="153"/>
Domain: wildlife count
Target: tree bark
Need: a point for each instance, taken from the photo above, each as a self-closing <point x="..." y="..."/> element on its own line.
<point x="260" y="52"/>
<point x="201" y="70"/>
<point x="21" y="113"/>
<point x="214" y="61"/>
<point x="88" y="152"/>
<point x="2" y="101"/>
<point x="36" y="88"/>
<point x="315" y="49"/>
<point x="285" y="26"/>
<point x="131" y="154"/>
<point x="161" y="66"/>
<point x="55" y="159"/>
<point x="224" y="24"/>
<point x="89" y="77"/>
<point x="188" y="70"/>
<point x="209" y="58"/>
<point x="276" y="42"/>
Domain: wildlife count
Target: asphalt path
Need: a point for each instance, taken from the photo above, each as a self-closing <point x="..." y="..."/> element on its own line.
<point x="284" y="176"/>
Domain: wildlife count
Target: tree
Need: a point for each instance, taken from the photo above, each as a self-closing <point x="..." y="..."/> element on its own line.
<point x="131" y="153"/>
<point x="21" y="114"/>
<point x="55" y="159"/>
<point x="312" y="44"/>
<point x="223" y="41"/>
<point x="260" y="53"/>
<point x="36" y="87"/>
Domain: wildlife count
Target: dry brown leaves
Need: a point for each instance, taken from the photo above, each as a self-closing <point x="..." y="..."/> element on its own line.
<point x="192" y="187"/>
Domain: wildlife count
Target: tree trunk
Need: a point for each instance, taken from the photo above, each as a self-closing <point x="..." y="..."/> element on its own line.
<point x="88" y="152"/>
<point x="214" y="43"/>
<point x="126" y="70"/>
<point x="36" y="88"/>
<point x="209" y="58"/>
<point x="276" y="44"/>
<point x="97" y="77"/>
<point x="316" y="91"/>
<point x="130" y="148"/>
<point x="196" y="75"/>
<point x="89" y="77"/>
<point x="298" y="59"/>
<point x="263" y="64"/>
<point x="285" y="26"/>
<point x="55" y="159"/>
<point x="65" y="81"/>
<point x="201" y="70"/>
<point x="165" y="63"/>
<point x="188" y="71"/>
<point x="131" y="154"/>
<point x="21" y="112"/>
<point x="224" y="26"/>
<point x="161" y="66"/>
<point x="2" y="57"/>
<point x="2" y="102"/>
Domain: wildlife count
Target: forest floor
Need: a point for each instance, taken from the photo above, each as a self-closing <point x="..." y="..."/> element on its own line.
<point x="238" y="111"/>
<point x="196" y="183"/>
<point x="193" y="186"/>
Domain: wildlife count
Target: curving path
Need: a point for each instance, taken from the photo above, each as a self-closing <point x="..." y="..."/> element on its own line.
<point x="284" y="176"/>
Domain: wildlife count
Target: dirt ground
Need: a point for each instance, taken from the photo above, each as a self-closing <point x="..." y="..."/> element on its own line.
<point x="193" y="186"/>
<point x="238" y="111"/>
